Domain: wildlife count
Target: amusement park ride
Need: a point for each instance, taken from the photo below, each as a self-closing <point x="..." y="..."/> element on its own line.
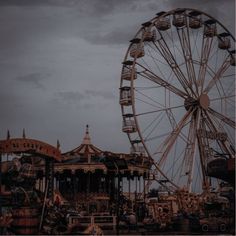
<point x="177" y="97"/>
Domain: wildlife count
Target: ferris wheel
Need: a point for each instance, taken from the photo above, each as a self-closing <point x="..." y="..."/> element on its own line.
<point x="177" y="95"/>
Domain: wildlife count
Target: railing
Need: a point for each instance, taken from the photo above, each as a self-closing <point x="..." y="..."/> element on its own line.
<point x="103" y="221"/>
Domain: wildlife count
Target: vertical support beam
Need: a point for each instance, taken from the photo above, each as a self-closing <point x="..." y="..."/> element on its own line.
<point x="79" y="176"/>
<point x="49" y="177"/>
<point x="57" y="182"/>
<point x="0" y="183"/>
<point x="113" y="182"/>
<point x="88" y="181"/>
<point x="100" y="186"/>
<point x="73" y="176"/>
<point x="118" y="203"/>
<point x="122" y="185"/>
<point x="40" y="184"/>
<point x="136" y="192"/>
<point x="129" y="186"/>
<point x="109" y="184"/>
<point x="144" y="189"/>
<point x="139" y="181"/>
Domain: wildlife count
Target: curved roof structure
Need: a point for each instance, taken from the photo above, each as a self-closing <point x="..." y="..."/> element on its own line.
<point x="86" y="149"/>
<point x="26" y="145"/>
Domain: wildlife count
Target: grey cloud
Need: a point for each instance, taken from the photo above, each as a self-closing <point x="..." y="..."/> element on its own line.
<point x="82" y="18"/>
<point x="36" y="3"/>
<point x="8" y="100"/>
<point x="93" y="6"/>
<point x="34" y="79"/>
<point x="75" y="41"/>
<point x="122" y="34"/>
<point x="221" y="10"/>
<point x="70" y="96"/>
<point x="103" y="94"/>
<point x="85" y="97"/>
<point x="116" y="36"/>
<point x="87" y="10"/>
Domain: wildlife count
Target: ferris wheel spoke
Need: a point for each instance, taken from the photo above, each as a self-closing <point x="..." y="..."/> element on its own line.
<point x="222" y="118"/>
<point x="147" y="137"/>
<point x="167" y="144"/>
<point x="154" y="78"/>
<point x="173" y="123"/>
<point x="228" y="100"/>
<point x="225" y="65"/>
<point x="190" y="151"/>
<point x="183" y="34"/>
<point x="195" y="48"/>
<point x="148" y="103"/>
<point x="158" y="104"/>
<point x="160" y="110"/>
<point x="222" y="98"/>
<point x="202" y="144"/>
<point x="176" y="171"/>
<point x="205" y="53"/>
<point x="168" y="56"/>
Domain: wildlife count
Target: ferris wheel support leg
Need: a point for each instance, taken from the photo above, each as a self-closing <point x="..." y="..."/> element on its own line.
<point x="202" y="152"/>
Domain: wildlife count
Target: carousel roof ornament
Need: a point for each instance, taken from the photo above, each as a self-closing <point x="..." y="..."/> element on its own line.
<point x="86" y="149"/>
<point x="58" y="145"/>
<point x="87" y="139"/>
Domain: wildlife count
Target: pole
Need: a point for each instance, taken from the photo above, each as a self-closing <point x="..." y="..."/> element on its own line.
<point x="118" y="205"/>
<point x="144" y="190"/>
<point x="0" y="184"/>
<point x="44" y="204"/>
<point x="129" y="187"/>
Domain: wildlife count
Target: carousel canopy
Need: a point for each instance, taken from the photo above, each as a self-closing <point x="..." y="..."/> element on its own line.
<point x="85" y="150"/>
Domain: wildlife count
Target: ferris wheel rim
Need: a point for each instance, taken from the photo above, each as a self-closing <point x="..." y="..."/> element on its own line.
<point x="132" y="85"/>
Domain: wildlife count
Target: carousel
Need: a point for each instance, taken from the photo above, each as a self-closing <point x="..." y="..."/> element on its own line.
<point x="92" y="180"/>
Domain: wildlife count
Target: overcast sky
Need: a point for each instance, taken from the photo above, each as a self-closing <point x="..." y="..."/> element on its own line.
<point x="60" y="63"/>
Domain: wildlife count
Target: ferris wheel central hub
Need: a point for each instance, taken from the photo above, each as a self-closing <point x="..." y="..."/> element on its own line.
<point x="190" y="102"/>
<point x="204" y="101"/>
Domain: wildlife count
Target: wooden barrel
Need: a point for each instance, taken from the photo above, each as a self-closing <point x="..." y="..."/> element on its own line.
<point x="25" y="220"/>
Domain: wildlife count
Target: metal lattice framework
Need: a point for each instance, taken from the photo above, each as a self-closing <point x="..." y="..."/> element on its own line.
<point x="177" y="95"/>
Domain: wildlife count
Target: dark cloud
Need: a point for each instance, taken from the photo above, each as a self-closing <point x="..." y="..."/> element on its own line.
<point x="121" y="35"/>
<point x="71" y="97"/>
<point x="76" y="97"/>
<point x="80" y="45"/>
<point x="9" y="100"/>
<point x="34" y="79"/>
<point x="95" y="6"/>
<point x="22" y="3"/>
<point x="103" y="94"/>
<point x="224" y="11"/>
<point x="116" y="36"/>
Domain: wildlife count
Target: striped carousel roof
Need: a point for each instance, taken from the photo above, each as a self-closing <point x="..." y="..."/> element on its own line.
<point x="86" y="149"/>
